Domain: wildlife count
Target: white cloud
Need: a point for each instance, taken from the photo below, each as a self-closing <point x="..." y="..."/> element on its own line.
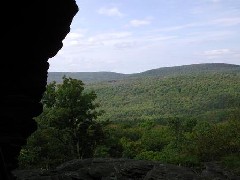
<point x="74" y="35"/>
<point x="227" y="21"/>
<point x="125" y="45"/>
<point x="137" y="22"/>
<point x="217" y="53"/>
<point x="178" y="27"/>
<point x="114" y="11"/>
<point x="109" y="37"/>
<point x="215" y="1"/>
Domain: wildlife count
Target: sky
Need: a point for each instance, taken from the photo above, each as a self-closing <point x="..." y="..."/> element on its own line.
<point x="131" y="36"/>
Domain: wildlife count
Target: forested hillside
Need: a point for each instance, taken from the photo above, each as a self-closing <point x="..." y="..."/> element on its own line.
<point x="212" y="95"/>
<point x="206" y="91"/>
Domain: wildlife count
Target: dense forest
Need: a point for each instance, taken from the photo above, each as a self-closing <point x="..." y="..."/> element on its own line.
<point x="207" y="96"/>
<point x="184" y="115"/>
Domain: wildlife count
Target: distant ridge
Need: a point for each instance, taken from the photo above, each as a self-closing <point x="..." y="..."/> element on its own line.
<point x="86" y="77"/>
<point x="93" y="77"/>
<point x="190" y="69"/>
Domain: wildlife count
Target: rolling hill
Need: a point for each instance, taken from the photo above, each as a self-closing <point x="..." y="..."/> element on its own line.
<point x="86" y="77"/>
<point x="203" y="91"/>
<point x="93" y="77"/>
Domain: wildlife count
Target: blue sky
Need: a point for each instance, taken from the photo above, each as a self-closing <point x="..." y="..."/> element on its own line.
<point x="130" y="36"/>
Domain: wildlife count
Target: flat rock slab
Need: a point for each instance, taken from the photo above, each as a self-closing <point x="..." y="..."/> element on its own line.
<point x="120" y="169"/>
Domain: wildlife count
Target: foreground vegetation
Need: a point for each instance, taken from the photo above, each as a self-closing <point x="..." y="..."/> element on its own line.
<point x="183" y="119"/>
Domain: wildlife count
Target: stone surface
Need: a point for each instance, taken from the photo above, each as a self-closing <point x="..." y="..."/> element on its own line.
<point x="124" y="169"/>
<point x="32" y="31"/>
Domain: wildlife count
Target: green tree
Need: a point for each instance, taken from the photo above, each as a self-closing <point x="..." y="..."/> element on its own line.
<point x="67" y="128"/>
<point x="74" y="111"/>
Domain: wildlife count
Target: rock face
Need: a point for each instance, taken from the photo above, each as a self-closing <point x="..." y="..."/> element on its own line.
<point x="123" y="169"/>
<point x="32" y="32"/>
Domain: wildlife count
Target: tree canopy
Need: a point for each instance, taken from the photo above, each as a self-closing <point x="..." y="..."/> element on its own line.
<point x="68" y="123"/>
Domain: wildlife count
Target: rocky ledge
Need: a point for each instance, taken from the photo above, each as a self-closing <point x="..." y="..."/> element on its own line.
<point x="124" y="169"/>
